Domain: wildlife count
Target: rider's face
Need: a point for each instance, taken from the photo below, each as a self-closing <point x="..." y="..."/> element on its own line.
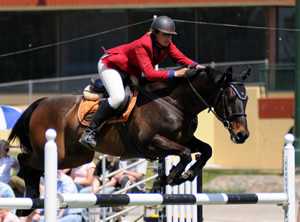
<point x="163" y="38"/>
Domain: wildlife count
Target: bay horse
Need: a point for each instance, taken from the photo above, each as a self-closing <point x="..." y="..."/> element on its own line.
<point x="162" y="123"/>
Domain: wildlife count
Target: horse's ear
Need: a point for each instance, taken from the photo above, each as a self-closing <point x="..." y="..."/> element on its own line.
<point x="229" y="70"/>
<point x="246" y="73"/>
<point x="228" y="74"/>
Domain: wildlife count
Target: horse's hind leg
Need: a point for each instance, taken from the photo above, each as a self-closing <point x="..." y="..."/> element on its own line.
<point x="32" y="180"/>
<point x="197" y="146"/>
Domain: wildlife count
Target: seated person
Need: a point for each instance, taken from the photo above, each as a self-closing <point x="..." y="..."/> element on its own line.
<point x="82" y="175"/>
<point x="6" y="192"/>
<point x="7" y="162"/>
<point x="132" y="175"/>
<point x="17" y="184"/>
<point x="8" y="216"/>
<point x="65" y="185"/>
<point x="112" y="164"/>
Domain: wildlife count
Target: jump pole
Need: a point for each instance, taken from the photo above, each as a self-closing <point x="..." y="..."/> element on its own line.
<point x="148" y="199"/>
<point x="51" y="162"/>
<point x="289" y="178"/>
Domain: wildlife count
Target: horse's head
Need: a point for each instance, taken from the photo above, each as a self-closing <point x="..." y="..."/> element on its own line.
<point x="230" y="104"/>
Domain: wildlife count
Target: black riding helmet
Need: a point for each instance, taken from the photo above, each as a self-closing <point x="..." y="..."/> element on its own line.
<point x="164" y="24"/>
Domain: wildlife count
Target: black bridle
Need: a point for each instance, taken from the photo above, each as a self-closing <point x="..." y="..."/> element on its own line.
<point x="226" y="114"/>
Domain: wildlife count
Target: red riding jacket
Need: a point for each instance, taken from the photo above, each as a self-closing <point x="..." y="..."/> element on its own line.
<point x="141" y="55"/>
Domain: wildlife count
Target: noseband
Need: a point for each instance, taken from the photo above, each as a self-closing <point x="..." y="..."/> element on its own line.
<point x="226" y="114"/>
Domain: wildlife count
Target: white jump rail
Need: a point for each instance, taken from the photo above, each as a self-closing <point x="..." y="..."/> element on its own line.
<point x="93" y="200"/>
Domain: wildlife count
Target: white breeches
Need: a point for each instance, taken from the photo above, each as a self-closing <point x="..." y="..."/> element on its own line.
<point x="113" y="83"/>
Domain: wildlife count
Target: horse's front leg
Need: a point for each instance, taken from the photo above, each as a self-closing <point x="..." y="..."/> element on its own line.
<point x="168" y="147"/>
<point x="196" y="145"/>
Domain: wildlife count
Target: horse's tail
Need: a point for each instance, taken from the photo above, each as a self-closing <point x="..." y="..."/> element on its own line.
<point x="21" y="128"/>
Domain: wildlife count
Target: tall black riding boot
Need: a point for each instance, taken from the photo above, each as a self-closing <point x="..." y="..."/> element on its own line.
<point x="88" y="137"/>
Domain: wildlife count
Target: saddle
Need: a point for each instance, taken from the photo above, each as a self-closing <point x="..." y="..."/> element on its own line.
<point x="95" y="93"/>
<point x="91" y="100"/>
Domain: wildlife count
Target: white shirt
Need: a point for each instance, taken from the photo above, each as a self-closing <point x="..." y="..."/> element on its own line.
<point x="141" y="168"/>
<point x="6" y="164"/>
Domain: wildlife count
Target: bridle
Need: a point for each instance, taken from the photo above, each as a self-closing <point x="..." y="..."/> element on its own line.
<point x="226" y="114"/>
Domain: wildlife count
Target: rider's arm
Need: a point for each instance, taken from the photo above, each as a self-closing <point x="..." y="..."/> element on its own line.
<point x="144" y="62"/>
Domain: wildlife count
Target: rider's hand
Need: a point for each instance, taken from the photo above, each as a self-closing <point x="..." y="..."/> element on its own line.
<point x="200" y="67"/>
<point x="180" y="72"/>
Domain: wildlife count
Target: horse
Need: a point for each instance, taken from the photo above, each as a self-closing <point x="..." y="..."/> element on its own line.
<point x="162" y="123"/>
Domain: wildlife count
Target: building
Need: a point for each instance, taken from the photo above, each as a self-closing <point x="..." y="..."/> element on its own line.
<point x="52" y="38"/>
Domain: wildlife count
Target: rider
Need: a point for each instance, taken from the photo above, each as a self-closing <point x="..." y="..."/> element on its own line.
<point x="136" y="58"/>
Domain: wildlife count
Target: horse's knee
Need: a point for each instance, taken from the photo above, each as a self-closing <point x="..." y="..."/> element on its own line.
<point x="186" y="156"/>
<point x="206" y="152"/>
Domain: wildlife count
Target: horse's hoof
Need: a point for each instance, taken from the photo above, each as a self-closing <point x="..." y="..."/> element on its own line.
<point x="185" y="176"/>
<point x="170" y="179"/>
<point x="155" y="190"/>
<point x="160" y="181"/>
<point x="177" y="182"/>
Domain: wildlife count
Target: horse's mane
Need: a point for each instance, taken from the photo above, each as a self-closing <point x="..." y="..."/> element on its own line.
<point x="211" y="75"/>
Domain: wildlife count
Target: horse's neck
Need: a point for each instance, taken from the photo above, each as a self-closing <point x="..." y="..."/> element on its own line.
<point x="179" y="94"/>
<point x="164" y="90"/>
<point x="206" y="92"/>
<point x="151" y="86"/>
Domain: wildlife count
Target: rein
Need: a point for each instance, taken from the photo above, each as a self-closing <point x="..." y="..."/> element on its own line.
<point x="224" y="119"/>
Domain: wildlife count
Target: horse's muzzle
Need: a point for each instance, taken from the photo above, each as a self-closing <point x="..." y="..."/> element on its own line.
<point x="240" y="137"/>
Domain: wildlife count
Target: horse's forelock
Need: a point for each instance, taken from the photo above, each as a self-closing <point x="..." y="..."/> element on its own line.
<point x="218" y="74"/>
<point x="214" y="74"/>
<point x="237" y="78"/>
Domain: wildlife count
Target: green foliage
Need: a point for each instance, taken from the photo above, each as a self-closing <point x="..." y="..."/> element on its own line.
<point x="209" y="174"/>
<point x="225" y="191"/>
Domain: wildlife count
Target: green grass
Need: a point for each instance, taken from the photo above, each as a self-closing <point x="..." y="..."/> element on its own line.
<point x="225" y="191"/>
<point x="210" y="174"/>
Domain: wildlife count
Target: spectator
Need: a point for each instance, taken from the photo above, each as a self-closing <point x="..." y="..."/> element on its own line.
<point x="29" y="218"/>
<point x="112" y="164"/>
<point x="8" y="216"/>
<point x="6" y="192"/>
<point x="132" y="175"/>
<point x="7" y="162"/>
<point x="17" y="184"/>
<point x="83" y="175"/>
<point x="65" y="185"/>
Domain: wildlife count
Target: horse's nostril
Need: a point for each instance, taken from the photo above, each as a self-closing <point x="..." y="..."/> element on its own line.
<point x="242" y="135"/>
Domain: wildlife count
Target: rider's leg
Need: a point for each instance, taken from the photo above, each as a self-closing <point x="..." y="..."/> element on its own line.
<point x="114" y="86"/>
